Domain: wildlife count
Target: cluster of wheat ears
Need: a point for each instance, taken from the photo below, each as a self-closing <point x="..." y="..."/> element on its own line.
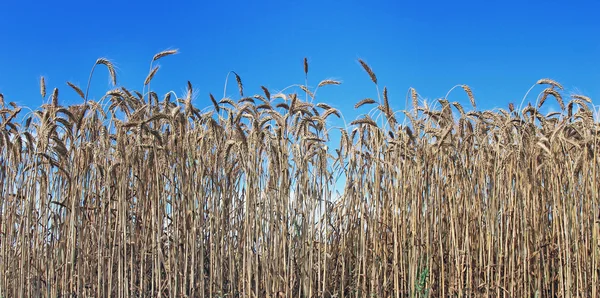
<point x="135" y="196"/>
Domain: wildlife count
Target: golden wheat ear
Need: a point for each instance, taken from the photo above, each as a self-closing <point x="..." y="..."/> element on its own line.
<point x="164" y="54"/>
<point x="43" y="87"/>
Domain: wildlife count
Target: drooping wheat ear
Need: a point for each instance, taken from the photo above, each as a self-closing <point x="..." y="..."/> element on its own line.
<point x="42" y="87"/>
<point x="111" y="69"/>
<point x="555" y="93"/>
<point x="470" y="94"/>
<point x="328" y="82"/>
<point x="543" y="99"/>
<point x="77" y="89"/>
<point x="214" y="101"/>
<point x="368" y="70"/>
<point x="305" y="66"/>
<point x="239" y="83"/>
<point x="511" y="107"/>
<point x="331" y="111"/>
<point x="55" y="97"/>
<point x="305" y="89"/>
<point x="364" y="102"/>
<point x="582" y="97"/>
<point x="550" y="82"/>
<point x="164" y="54"/>
<point x="365" y="120"/>
<point x="151" y="75"/>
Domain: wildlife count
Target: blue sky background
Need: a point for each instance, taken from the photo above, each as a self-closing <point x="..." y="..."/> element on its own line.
<point x="498" y="48"/>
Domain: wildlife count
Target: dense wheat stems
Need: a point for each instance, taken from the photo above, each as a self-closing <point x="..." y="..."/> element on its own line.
<point x="263" y="196"/>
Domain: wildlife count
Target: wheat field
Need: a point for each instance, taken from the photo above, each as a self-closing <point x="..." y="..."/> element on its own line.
<point x="142" y="195"/>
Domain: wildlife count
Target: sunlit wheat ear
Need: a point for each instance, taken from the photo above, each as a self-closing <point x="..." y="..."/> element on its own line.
<point x="550" y="82"/>
<point x="364" y="102"/>
<point x="305" y="89"/>
<point x="164" y="54"/>
<point x="582" y="97"/>
<point x="328" y="82"/>
<point x="470" y="94"/>
<point x="368" y="70"/>
<point x="239" y="83"/>
<point x="151" y="75"/>
<point x="415" y="100"/>
<point x="77" y="89"/>
<point x="331" y="111"/>
<point x="543" y="99"/>
<point x="365" y="120"/>
<point x="111" y="69"/>
<point x="55" y="97"/>
<point x="42" y="87"/>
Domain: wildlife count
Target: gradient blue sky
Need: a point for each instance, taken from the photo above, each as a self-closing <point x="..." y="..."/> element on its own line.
<point x="499" y="48"/>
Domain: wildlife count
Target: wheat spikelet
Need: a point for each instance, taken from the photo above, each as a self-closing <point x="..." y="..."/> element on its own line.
<point x="368" y="70"/>
<point x="280" y="95"/>
<point x="365" y="120"/>
<point x="42" y="87"/>
<point x="415" y="100"/>
<point x="328" y="82"/>
<point x="364" y="102"/>
<point x="307" y="91"/>
<point x="151" y="75"/>
<point x="582" y="97"/>
<point x="459" y="107"/>
<point x="305" y="66"/>
<point x="386" y="103"/>
<point x="228" y="101"/>
<point x="556" y="95"/>
<point x="549" y="82"/>
<point x="190" y="91"/>
<point x="239" y="83"/>
<point x="2" y="100"/>
<point x="470" y="94"/>
<point x="264" y="106"/>
<point x="77" y="89"/>
<point x="214" y="102"/>
<point x="111" y="69"/>
<point x="55" y="97"/>
<point x="246" y="99"/>
<point x="331" y="111"/>
<point x="323" y="106"/>
<point x="266" y="91"/>
<point x="543" y="99"/>
<point x="164" y="54"/>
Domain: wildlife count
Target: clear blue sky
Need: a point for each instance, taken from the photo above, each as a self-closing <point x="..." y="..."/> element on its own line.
<point x="499" y="48"/>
